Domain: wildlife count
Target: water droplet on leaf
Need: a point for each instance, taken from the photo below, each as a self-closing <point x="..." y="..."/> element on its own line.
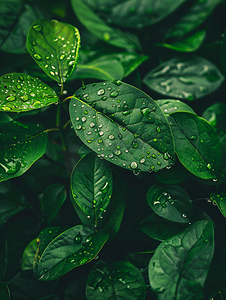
<point x="101" y="92"/>
<point x="78" y="239"/>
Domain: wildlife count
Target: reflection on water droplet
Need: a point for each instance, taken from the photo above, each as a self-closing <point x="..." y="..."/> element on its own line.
<point x="133" y="165"/>
<point x="111" y="137"/>
<point x="117" y="82"/>
<point x="10" y="98"/>
<point x="62" y="56"/>
<point x="114" y="94"/>
<point x="117" y="152"/>
<point x="184" y="215"/>
<point x="78" y="239"/>
<point x="134" y="145"/>
<point x="104" y="188"/>
<point x="37" y="56"/>
<point x="193" y="137"/>
<point x="101" y="92"/>
<point x="209" y="166"/>
<point x="37" y="27"/>
<point x="83" y="119"/>
<point x="11" y="167"/>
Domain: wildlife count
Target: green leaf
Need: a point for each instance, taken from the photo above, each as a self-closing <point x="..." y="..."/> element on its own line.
<point x="16" y="19"/>
<point x="170" y="202"/>
<point x="197" y="145"/>
<point x="193" y="17"/>
<point x="135" y="14"/>
<point x="29" y="255"/>
<point x="72" y="248"/>
<point x="54" y="46"/>
<point x="21" y="145"/>
<point x="189" y="43"/>
<point x="123" y="125"/>
<point x="12" y="201"/>
<point x="186" y="78"/>
<point x="223" y="159"/>
<point x="118" y="280"/>
<point x="220" y="200"/>
<point x="169" y="106"/>
<point x="21" y="92"/>
<point x="98" y="27"/>
<point x="53" y="198"/>
<point x="159" y="228"/>
<point x="91" y="186"/>
<point x="4" y="291"/>
<point x="180" y="264"/>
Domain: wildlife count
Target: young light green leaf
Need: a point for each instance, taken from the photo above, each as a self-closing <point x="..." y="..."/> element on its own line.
<point x="72" y="248"/>
<point x="186" y="78"/>
<point x="21" y="92"/>
<point x="54" y="46"/>
<point x="135" y="14"/>
<point x="53" y="198"/>
<point x="91" y="186"/>
<point x="21" y="145"/>
<point x="180" y="264"/>
<point x="169" y="106"/>
<point x="123" y="125"/>
<point x="193" y="17"/>
<point x="189" y="43"/>
<point x="170" y="202"/>
<point x="118" y="280"/>
<point x="4" y="291"/>
<point x="29" y="255"/>
<point x="98" y="27"/>
<point x="197" y="145"/>
<point x="220" y="200"/>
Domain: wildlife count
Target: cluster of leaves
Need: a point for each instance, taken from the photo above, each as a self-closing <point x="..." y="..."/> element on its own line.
<point x="78" y="129"/>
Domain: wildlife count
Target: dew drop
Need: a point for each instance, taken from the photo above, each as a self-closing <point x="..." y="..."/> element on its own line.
<point x="114" y="94"/>
<point x="46" y="270"/>
<point x="209" y="166"/>
<point x="133" y="165"/>
<point x="111" y="137"/>
<point x="110" y="155"/>
<point x="142" y="160"/>
<point x="78" y="127"/>
<point x="193" y="137"/>
<point x="158" y="129"/>
<point x="37" y="56"/>
<point x="101" y="133"/>
<point x="184" y="215"/>
<point x="104" y="188"/>
<point x="37" y="27"/>
<point x="134" y="145"/>
<point x="52" y="73"/>
<point x="78" y="239"/>
<point x="101" y="92"/>
<point x="83" y="119"/>
<point x="62" y="56"/>
<point x="145" y="111"/>
<point x="117" y="152"/>
<point x="10" y="98"/>
<point x="126" y="113"/>
<point x="117" y="82"/>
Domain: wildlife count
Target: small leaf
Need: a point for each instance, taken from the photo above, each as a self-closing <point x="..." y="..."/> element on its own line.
<point x="21" y="92"/>
<point x="118" y="280"/>
<point x="122" y="125"/>
<point x="29" y="255"/>
<point x="98" y="27"/>
<point x="197" y="145"/>
<point x="53" y="198"/>
<point x="91" y="186"/>
<point x="4" y="291"/>
<point x="170" y="202"/>
<point x="189" y="43"/>
<point x="169" y="106"/>
<point x="180" y="264"/>
<point x="220" y="200"/>
<point x="54" y="46"/>
<point x="72" y="248"/>
<point x="21" y="145"/>
<point x="186" y="78"/>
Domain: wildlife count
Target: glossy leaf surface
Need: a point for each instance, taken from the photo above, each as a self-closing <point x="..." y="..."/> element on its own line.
<point x="123" y="125"/>
<point x="220" y="200"/>
<point x="115" y="281"/>
<point x="187" y="78"/>
<point x="21" y="145"/>
<point x="180" y="264"/>
<point x="54" y="46"/>
<point x="21" y="92"/>
<point x="170" y="106"/>
<point x="100" y="29"/>
<point x="91" y="186"/>
<point x="170" y="202"/>
<point x="197" y="145"/>
<point x="72" y="248"/>
<point x="53" y="198"/>
<point x="135" y="14"/>
<point x="29" y="255"/>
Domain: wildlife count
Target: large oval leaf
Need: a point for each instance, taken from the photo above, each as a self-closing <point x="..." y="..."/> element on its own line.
<point x="54" y="46"/>
<point x="29" y="255"/>
<point x="91" y="186"/>
<point x="72" y="248"/>
<point x="186" y="78"/>
<point x="123" y="125"/>
<point x="220" y="200"/>
<point x="170" y="202"/>
<point x="179" y="266"/>
<point x="197" y="145"/>
<point x="21" y="92"/>
<point x="115" y="281"/>
<point x="170" y="106"/>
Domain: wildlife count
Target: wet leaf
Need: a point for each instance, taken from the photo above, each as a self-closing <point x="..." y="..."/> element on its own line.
<point x="72" y="248"/>
<point x="194" y="16"/>
<point x="189" y="43"/>
<point x="21" y="92"/>
<point x="197" y="145"/>
<point x="169" y="106"/>
<point x="118" y="280"/>
<point x="170" y="202"/>
<point x="53" y="198"/>
<point x="16" y="19"/>
<point x="21" y="145"/>
<point x="135" y="14"/>
<point x="187" y="78"/>
<point x="123" y="125"/>
<point x="91" y="186"/>
<point x="4" y="291"/>
<point x="180" y="264"/>
<point x="159" y="228"/>
<point x="54" y="46"/>
<point x="29" y="255"/>
<point x="220" y="200"/>
<point x="100" y="29"/>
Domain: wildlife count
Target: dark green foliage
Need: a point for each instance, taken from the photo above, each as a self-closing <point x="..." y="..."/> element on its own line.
<point x="113" y="150"/>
